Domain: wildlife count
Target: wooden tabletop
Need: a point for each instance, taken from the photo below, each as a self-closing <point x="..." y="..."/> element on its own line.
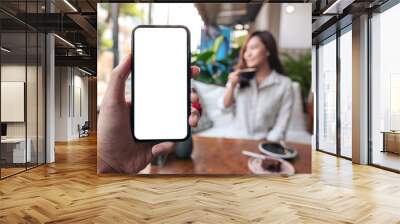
<point x="224" y="156"/>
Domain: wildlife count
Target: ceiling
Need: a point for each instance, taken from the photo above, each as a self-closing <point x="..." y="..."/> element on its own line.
<point x="331" y="15"/>
<point x="327" y="14"/>
<point x="228" y="14"/>
<point x="74" y="21"/>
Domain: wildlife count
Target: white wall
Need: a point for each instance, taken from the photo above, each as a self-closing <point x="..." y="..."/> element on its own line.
<point x="295" y="28"/>
<point x="61" y="103"/>
<point x="69" y="85"/>
<point x="291" y="30"/>
<point x="14" y="73"/>
<point x="261" y="21"/>
<point x="33" y="125"/>
<point x="80" y="102"/>
<point x="17" y="73"/>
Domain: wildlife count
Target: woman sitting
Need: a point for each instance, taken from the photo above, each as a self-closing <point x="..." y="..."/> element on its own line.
<point x="262" y="98"/>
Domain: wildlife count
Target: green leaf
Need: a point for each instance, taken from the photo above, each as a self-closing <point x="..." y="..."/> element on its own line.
<point x="299" y="70"/>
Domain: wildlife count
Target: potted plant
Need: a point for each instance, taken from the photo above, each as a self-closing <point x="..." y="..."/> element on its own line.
<point x="215" y="71"/>
<point x="299" y="70"/>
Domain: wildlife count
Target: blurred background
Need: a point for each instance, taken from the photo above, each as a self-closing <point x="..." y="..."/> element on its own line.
<point x="218" y="30"/>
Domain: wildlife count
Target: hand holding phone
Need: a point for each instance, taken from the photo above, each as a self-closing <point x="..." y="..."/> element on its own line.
<point x="238" y="75"/>
<point x="116" y="149"/>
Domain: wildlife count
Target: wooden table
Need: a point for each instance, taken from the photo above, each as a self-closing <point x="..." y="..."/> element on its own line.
<point x="391" y="141"/>
<point x="223" y="156"/>
<point x="15" y="152"/>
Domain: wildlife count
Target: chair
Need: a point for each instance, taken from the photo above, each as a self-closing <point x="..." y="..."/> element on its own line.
<point x="84" y="130"/>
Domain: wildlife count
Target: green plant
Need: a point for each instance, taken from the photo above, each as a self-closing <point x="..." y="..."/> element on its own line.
<point x="299" y="70"/>
<point x="215" y="71"/>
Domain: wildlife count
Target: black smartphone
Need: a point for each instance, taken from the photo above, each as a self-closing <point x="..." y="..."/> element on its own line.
<point x="160" y="83"/>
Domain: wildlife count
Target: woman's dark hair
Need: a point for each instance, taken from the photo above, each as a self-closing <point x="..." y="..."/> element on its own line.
<point x="273" y="59"/>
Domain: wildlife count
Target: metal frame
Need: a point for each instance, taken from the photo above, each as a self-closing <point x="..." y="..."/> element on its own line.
<point x="37" y="91"/>
<point x="316" y="97"/>
<point x="338" y="98"/>
<point x="26" y="89"/>
<point x="45" y="89"/>
<point x="369" y="78"/>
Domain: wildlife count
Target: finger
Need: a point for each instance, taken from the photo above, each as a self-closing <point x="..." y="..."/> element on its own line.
<point x="194" y="118"/>
<point x="121" y="72"/>
<point x="195" y="71"/>
<point x="197" y="106"/>
<point x="162" y="148"/>
<point x="194" y="98"/>
<point x="116" y="87"/>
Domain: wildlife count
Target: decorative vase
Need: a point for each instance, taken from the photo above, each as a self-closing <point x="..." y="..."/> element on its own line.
<point x="183" y="150"/>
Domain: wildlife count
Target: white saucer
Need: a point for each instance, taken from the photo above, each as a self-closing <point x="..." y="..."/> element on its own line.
<point x="255" y="167"/>
<point x="292" y="153"/>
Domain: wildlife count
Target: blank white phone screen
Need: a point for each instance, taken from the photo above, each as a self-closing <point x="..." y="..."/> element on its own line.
<point x="160" y="89"/>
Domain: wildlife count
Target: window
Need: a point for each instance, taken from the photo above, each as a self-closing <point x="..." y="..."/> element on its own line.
<point x="385" y="89"/>
<point x="346" y="93"/>
<point x="327" y="96"/>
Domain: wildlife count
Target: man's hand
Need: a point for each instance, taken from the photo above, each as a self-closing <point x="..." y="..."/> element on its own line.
<point x="116" y="149"/>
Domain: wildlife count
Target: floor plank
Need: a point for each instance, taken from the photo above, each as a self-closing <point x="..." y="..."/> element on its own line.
<point x="70" y="191"/>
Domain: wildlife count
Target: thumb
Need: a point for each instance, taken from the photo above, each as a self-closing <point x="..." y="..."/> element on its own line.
<point x="116" y="87"/>
<point x="162" y="148"/>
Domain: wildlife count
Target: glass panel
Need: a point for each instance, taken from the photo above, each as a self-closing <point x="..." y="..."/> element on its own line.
<point x="32" y="86"/>
<point x="346" y="94"/>
<point x="314" y="89"/>
<point x="23" y="87"/>
<point x="31" y="98"/>
<point x="385" y="84"/>
<point x="327" y="97"/>
<point x="13" y="87"/>
<point x="41" y="98"/>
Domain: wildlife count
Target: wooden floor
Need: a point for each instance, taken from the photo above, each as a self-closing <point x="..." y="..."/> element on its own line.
<point x="10" y="171"/>
<point x="387" y="159"/>
<point x="69" y="191"/>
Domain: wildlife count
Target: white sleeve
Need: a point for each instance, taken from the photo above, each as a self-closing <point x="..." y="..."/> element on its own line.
<point x="278" y="132"/>
<point x="221" y="104"/>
